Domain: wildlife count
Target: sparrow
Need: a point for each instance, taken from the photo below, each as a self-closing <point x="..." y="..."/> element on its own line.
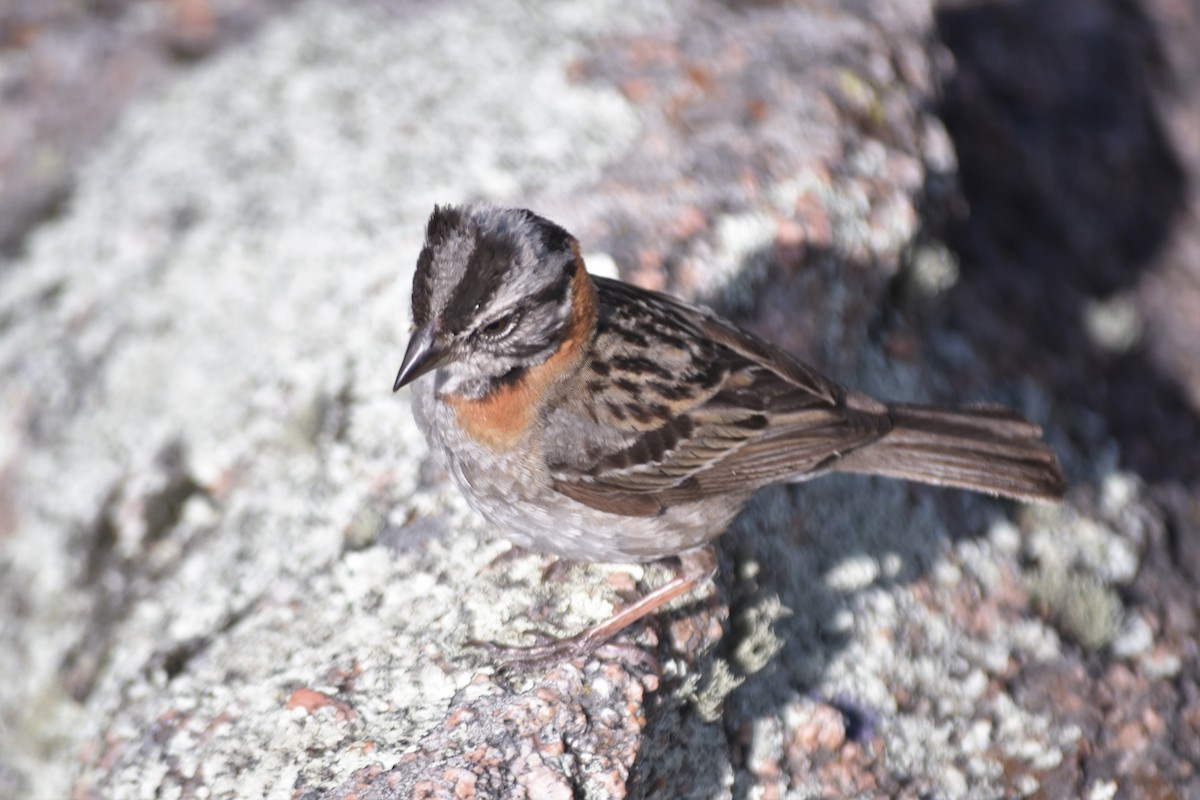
<point x="598" y="421"/>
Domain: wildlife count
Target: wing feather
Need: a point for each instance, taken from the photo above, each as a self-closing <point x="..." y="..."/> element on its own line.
<point x="721" y="411"/>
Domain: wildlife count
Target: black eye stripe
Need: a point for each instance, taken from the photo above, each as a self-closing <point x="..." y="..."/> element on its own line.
<point x="500" y="324"/>
<point x="552" y="294"/>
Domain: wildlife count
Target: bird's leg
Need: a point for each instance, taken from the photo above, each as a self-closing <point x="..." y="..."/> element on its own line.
<point x="691" y="569"/>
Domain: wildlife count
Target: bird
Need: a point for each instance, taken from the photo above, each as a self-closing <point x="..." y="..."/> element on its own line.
<point x="594" y="420"/>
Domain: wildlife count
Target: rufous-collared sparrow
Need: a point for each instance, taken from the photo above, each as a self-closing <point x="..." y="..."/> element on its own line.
<point x="598" y="421"/>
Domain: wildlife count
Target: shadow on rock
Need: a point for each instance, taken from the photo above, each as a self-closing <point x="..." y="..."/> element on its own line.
<point x="1073" y="189"/>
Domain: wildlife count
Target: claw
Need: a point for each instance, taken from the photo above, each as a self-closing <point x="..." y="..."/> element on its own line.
<point x="695" y="567"/>
<point x="546" y="653"/>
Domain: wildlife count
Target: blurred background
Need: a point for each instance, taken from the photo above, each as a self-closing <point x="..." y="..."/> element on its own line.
<point x="965" y="200"/>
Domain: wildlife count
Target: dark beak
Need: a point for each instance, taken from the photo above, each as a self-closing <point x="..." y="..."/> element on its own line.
<point x="424" y="354"/>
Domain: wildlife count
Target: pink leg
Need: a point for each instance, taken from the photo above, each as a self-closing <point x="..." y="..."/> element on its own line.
<point x="695" y="567"/>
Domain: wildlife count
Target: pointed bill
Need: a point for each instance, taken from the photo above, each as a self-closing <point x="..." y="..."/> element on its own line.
<point x="423" y="355"/>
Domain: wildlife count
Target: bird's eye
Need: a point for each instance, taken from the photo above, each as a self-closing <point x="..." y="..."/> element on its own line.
<point x="499" y="326"/>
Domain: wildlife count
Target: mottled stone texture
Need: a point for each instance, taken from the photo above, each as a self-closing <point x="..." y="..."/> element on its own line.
<point x="229" y="568"/>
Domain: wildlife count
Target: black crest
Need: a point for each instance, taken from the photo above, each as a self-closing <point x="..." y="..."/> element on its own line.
<point x="444" y="221"/>
<point x="470" y="252"/>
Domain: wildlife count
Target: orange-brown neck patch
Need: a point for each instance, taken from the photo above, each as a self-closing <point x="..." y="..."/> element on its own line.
<point x="502" y="417"/>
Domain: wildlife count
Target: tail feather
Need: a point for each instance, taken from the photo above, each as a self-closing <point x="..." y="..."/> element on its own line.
<point x="984" y="449"/>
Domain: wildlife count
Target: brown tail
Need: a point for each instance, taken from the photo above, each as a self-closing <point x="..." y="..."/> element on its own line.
<point x="984" y="449"/>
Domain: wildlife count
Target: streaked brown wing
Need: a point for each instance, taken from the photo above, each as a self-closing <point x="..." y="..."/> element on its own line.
<point x="687" y="405"/>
